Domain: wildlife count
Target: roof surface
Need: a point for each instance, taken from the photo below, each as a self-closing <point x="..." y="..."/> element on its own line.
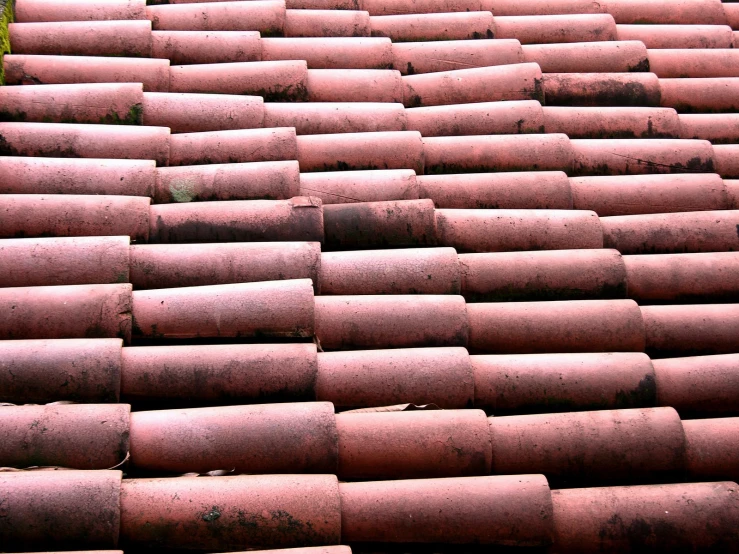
<point x="371" y="276"/>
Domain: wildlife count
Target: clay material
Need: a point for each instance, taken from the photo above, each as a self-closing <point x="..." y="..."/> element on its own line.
<point x="331" y="53"/>
<point x="384" y="321"/>
<point x="546" y="7"/>
<point x="514" y="511"/>
<point x="402" y="7"/>
<point x="545" y="275"/>
<point x="707" y="385"/>
<point x="346" y="187"/>
<point x="19" y="175"/>
<point x="300" y="218"/>
<point x="79" y="436"/>
<point x="718" y="128"/>
<point x="429" y="57"/>
<point x="503" y="230"/>
<point x="700" y="95"/>
<point x="483" y="118"/>
<point x="727" y="160"/>
<point x="713" y="448"/>
<point x="245" y="511"/>
<point x="60" y="509"/>
<point x="514" y="190"/>
<point x="336" y="117"/>
<point x="708" y="277"/>
<point x="713" y="231"/>
<point x="643" y="194"/>
<point x="519" y="81"/>
<point x="23" y="69"/>
<point x="392" y="223"/>
<point x="327" y="23"/>
<point x="442" y="376"/>
<point x="233" y="146"/>
<point x="572" y="326"/>
<point x="685" y="330"/>
<point x="191" y="113"/>
<point x="666" y="12"/>
<point x="267" y="438"/>
<point x="80" y="370"/>
<point x="268" y="17"/>
<point x="82" y="38"/>
<point x="678" y="36"/>
<point x="270" y="309"/>
<point x="274" y="81"/>
<point x="601" y="89"/>
<point x="434" y="26"/>
<point x="307" y="550"/>
<point x="63" y="261"/>
<point x="553" y="29"/>
<point x="413" y="445"/>
<point x="667" y="518"/>
<point x="732" y="190"/>
<point x="636" y="157"/>
<point x="694" y="63"/>
<point x="203" y="47"/>
<point x="589" y="57"/>
<point x="604" y="122"/>
<point x="69" y="140"/>
<point x="39" y="215"/>
<point x="563" y="382"/>
<point x="591" y="447"/>
<point x="156" y="266"/>
<point x="232" y="373"/>
<point x="87" y="103"/>
<point x="404" y="271"/>
<point x="79" y="10"/>
<point x="352" y="151"/>
<point x="276" y="180"/>
<point x="70" y="311"/>
<point x="497" y="153"/>
<point x="354" y="85"/>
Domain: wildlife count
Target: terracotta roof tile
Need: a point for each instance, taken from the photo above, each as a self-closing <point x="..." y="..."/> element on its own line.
<point x="203" y="47"/>
<point x="266" y="16"/>
<point x="35" y="70"/>
<point x="218" y="233"/>
<point x="79" y="10"/>
<point x="552" y="29"/>
<point x="678" y="36"/>
<point x="435" y="26"/>
<point x="327" y="23"/>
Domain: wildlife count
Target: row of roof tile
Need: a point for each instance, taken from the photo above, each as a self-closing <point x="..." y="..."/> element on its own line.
<point x="283" y="81"/>
<point x="574" y="448"/>
<point x="499" y="276"/>
<point x="97" y="508"/>
<point x="34" y="42"/>
<point x="101" y="370"/>
<point x="374" y="150"/>
<point x="126" y="103"/>
<point x="289" y="309"/>
<point x="231" y="35"/>
<point x="708" y="12"/>
<point x="394" y="224"/>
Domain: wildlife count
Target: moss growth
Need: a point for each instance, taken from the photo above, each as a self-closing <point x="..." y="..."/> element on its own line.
<point x="278" y="93"/>
<point x="266" y="33"/>
<point x="16" y="115"/>
<point x="7" y="17"/>
<point x="135" y="116"/>
<point x="642" y="66"/>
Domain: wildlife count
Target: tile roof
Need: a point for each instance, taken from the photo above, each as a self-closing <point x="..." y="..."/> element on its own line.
<point x="401" y="275"/>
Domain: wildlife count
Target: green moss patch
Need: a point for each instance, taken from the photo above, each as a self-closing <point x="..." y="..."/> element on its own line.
<point x="7" y="17"/>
